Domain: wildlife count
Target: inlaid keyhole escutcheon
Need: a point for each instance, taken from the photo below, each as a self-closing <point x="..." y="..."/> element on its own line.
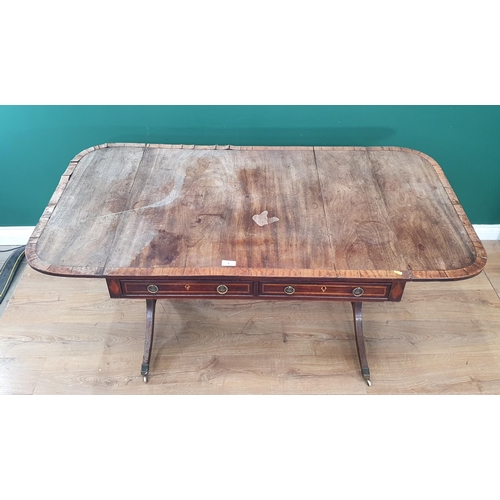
<point x="358" y="291"/>
<point x="289" y="290"/>
<point x="222" y="289"/>
<point x="323" y="289"/>
<point x="187" y="287"/>
<point x="153" y="289"/>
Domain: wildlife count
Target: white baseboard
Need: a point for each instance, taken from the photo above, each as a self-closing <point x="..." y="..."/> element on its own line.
<point x="15" y="235"/>
<point x="19" y="235"/>
<point x="487" y="231"/>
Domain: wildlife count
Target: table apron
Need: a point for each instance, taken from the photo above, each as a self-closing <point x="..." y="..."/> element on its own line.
<point x="264" y="289"/>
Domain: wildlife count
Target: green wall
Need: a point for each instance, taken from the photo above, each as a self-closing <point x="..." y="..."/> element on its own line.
<point x="37" y="142"/>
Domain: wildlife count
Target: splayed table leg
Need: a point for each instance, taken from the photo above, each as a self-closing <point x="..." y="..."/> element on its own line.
<point x="360" y="340"/>
<point x="148" y="343"/>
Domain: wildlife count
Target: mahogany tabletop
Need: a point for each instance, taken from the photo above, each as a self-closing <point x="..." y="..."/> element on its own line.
<point x="329" y="212"/>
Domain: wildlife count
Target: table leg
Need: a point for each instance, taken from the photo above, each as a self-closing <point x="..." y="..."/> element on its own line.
<point x="148" y="342"/>
<point x="360" y="340"/>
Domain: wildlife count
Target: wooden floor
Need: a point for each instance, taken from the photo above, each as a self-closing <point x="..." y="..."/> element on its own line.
<point x="65" y="336"/>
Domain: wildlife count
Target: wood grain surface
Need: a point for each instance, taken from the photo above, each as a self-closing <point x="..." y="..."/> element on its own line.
<point x="338" y="212"/>
<point x="63" y="336"/>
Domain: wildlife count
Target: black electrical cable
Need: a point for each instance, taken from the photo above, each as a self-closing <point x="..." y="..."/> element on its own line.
<point x="12" y="249"/>
<point x="9" y="268"/>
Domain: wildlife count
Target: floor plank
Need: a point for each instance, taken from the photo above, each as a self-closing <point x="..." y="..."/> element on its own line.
<point x="493" y="266"/>
<point x="20" y="376"/>
<point x="65" y="336"/>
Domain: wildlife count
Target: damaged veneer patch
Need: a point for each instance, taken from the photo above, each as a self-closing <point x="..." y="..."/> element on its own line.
<point x="262" y="219"/>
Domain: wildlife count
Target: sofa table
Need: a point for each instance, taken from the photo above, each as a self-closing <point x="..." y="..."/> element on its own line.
<point x="162" y="221"/>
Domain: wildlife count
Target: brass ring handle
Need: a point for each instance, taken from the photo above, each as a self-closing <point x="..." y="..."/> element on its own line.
<point x="153" y="289"/>
<point x="222" y="289"/>
<point x="289" y="290"/>
<point x="358" y="291"/>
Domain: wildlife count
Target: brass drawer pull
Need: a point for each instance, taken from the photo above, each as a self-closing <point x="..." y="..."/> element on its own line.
<point x="153" y="289"/>
<point x="289" y="290"/>
<point x="222" y="289"/>
<point x="358" y="291"/>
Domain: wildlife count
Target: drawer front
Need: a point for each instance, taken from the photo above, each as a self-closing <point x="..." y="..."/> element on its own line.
<point x="328" y="290"/>
<point x="159" y="288"/>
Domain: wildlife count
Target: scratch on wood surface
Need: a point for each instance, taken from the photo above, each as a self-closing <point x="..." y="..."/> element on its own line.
<point x="170" y="198"/>
<point x="173" y="195"/>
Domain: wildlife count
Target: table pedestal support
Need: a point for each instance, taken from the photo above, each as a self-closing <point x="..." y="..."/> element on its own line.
<point x="358" y="330"/>
<point x="360" y="340"/>
<point x="148" y="342"/>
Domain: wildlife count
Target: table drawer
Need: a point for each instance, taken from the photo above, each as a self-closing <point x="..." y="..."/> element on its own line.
<point x="185" y="288"/>
<point x="327" y="290"/>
